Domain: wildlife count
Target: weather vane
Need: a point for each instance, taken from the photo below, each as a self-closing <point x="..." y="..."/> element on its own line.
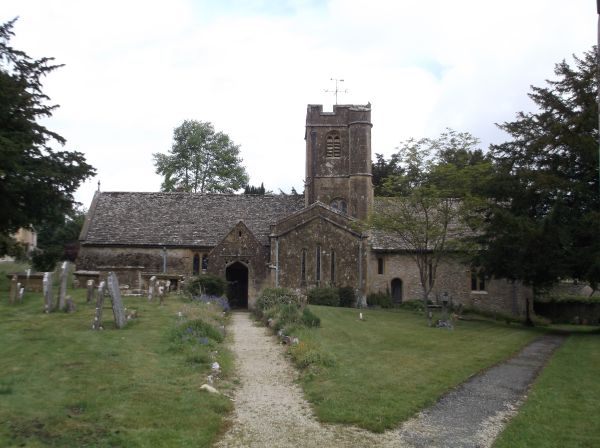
<point x="337" y="89"/>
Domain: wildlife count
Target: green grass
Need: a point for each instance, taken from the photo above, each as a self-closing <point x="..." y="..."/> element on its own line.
<point x="562" y="409"/>
<point x="62" y="384"/>
<point x="392" y="365"/>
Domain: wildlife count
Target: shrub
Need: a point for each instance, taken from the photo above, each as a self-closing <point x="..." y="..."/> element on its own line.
<point x="380" y="299"/>
<point x="414" y="305"/>
<point x="286" y="314"/>
<point x="347" y="296"/>
<point x="310" y="319"/>
<point x="220" y="301"/>
<point x="206" y="284"/>
<point x="324" y="296"/>
<point x="307" y="354"/>
<point x="195" y="331"/>
<point x="270" y="297"/>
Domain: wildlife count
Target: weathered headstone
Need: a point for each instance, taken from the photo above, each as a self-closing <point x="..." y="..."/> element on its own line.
<point x="47" y="287"/>
<point x="117" y="303"/>
<point x="161" y="294"/>
<point x="90" y="290"/>
<point x="14" y="289"/>
<point x="21" y="294"/>
<point x="75" y="283"/>
<point x="62" y="290"/>
<point x="168" y="286"/>
<point x="151" y="286"/>
<point x="70" y="305"/>
<point x="97" y="324"/>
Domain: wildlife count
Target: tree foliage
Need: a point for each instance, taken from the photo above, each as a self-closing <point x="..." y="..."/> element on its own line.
<point x="547" y="215"/>
<point x="251" y="189"/>
<point x="201" y="161"/>
<point x="58" y="242"/>
<point x="434" y="198"/>
<point x="37" y="182"/>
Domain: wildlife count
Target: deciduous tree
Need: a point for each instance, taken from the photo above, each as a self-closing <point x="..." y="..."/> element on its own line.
<point x="201" y="161"/>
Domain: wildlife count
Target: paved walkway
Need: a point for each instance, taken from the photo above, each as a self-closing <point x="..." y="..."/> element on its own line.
<point x="270" y="409"/>
<point x="473" y="414"/>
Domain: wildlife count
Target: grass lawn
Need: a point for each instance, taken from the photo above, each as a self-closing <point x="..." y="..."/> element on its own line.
<point x="563" y="408"/>
<point x="62" y="384"/>
<point x="392" y="365"/>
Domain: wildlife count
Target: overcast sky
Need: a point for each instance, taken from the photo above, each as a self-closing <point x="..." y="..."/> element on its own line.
<point x="134" y="70"/>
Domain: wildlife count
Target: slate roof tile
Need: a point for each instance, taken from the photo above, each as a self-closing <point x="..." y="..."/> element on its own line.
<point x="181" y="219"/>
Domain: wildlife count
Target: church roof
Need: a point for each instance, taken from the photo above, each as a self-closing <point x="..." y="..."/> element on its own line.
<point x="181" y="219"/>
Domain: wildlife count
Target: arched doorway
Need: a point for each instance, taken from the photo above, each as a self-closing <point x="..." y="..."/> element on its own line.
<point x="396" y="290"/>
<point x="236" y="275"/>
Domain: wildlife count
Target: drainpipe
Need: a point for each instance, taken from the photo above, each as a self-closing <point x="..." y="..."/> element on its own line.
<point x="276" y="262"/>
<point x="164" y="255"/>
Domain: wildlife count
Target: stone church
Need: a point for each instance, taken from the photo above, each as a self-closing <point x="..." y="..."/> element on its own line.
<point x="279" y="240"/>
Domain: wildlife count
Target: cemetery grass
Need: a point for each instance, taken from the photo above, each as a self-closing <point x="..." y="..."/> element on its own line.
<point x="562" y="407"/>
<point x="392" y="365"/>
<point x="62" y="384"/>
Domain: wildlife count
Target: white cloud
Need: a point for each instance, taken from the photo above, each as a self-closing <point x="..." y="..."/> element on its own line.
<point x="135" y="70"/>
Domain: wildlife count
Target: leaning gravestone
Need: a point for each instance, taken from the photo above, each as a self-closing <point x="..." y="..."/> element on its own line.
<point x="47" y="283"/>
<point x="97" y="324"/>
<point x="14" y="288"/>
<point x="117" y="303"/>
<point x="62" y="291"/>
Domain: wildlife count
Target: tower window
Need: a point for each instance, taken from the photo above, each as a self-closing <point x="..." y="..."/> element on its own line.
<point x="334" y="145"/>
<point x="339" y="204"/>
<point x="380" y="266"/>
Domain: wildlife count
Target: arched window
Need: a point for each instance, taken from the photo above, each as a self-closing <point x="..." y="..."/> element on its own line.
<point x="204" y="262"/>
<point x="334" y="145"/>
<point x="196" y="265"/>
<point x="339" y="204"/>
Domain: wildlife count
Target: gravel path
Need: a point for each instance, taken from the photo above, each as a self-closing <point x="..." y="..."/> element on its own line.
<point x="473" y="414"/>
<point x="270" y="410"/>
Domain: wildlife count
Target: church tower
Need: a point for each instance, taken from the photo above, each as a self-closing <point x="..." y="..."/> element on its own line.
<point x="338" y="158"/>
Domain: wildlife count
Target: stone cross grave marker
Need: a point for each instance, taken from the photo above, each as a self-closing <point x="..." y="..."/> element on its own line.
<point x="97" y="324"/>
<point x="47" y="283"/>
<point x="62" y="291"/>
<point x="117" y="302"/>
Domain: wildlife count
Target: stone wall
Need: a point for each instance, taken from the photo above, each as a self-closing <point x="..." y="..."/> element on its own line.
<point x="453" y="277"/>
<point x="128" y="260"/>
<point x="241" y="245"/>
<point x="341" y="248"/>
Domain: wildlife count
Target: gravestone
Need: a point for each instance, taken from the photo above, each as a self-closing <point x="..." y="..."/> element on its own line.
<point x="69" y="305"/>
<point x="14" y="290"/>
<point x="21" y="293"/>
<point x="47" y="288"/>
<point x="62" y="290"/>
<point x="117" y="303"/>
<point x="97" y="324"/>
<point x="161" y="294"/>
<point x="90" y="290"/>
<point x="151" y="287"/>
